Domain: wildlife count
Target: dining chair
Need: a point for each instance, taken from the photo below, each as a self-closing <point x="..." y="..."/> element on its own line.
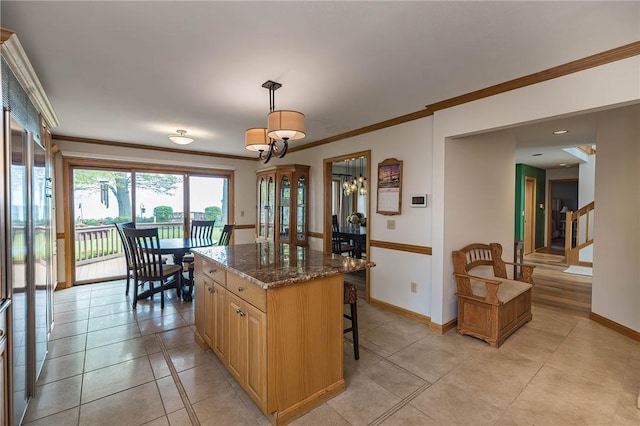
<point x="199" y="229"/>
<point x="225" y="237"/>
<point x="351" y="299"/>
<point x="125" y="248"/>
<point x="339" y="245"/>
<point x="148" y="266"/>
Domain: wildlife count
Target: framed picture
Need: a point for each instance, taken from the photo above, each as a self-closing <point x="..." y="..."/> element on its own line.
<point x="389" y="187"/>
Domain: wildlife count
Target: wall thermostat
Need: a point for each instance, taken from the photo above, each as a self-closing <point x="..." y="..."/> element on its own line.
<point x="418" y="200"/>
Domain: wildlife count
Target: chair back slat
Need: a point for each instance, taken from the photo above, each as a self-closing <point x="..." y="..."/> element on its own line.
<point x="144" y="245"/>
<point x="202" y="229"/>
<point x="225" y="237"/>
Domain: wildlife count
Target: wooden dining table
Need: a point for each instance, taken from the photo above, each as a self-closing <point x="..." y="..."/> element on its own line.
<point x="178" y="247"/>
<point x="358" y="237"/>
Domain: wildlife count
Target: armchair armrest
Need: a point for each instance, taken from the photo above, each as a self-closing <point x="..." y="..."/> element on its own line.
<point x="527" y="271"/>
<point x="491" y="285"/>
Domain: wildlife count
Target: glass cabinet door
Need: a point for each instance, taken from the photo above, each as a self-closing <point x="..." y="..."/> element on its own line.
<point x="301" y="211"/>
<point x="262" y="207"/>
<point x="270" y="213"/>
<point x="285" y="210"/>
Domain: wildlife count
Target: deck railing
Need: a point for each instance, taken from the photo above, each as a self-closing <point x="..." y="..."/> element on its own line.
<point x="102" y="242"/>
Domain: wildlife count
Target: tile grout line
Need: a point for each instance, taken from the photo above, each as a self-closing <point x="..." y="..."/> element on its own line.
<point x="178" y="383"/>
<point x="397" y="407"/>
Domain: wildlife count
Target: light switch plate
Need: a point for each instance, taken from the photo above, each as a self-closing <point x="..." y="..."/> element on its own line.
<point x="391" y="224"/>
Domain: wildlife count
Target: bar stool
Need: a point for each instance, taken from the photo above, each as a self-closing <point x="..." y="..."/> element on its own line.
<point x="351" y="299"/>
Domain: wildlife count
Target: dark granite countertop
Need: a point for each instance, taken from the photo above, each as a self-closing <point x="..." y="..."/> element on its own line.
<point x="272" y="265"/>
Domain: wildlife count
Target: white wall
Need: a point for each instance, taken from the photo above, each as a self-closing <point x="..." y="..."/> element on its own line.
<point x="244" y="179"/>
<point x="608" y="85"/>
<point x="616" y="260"/>
<point x="391" y="278"/>
<point x="480" y="198"/>
<point x="586" y="194"/>
<point x="587" y="182"/>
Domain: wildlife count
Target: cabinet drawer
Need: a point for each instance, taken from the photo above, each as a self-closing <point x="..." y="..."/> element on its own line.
<point x="215" y="272"/>
<point x="247" y="291"/>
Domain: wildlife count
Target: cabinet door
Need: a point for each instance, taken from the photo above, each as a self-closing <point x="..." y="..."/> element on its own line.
<point x="302" y="191"/>
<point x="220" y="334"/>
<point x="284" y="209"/>
<point x="199" y="298"/>
<point x="256" y="375"/>
<point x="271" y="202"/>
<point x="261" y="213"/>
<point x="236" y="351"/>
<point x="209" y="311"/>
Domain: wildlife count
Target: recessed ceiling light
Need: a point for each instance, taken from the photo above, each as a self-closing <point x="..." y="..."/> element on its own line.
<point x="562" y="164"/>
<point x="560" y="132"/>
<point x="536" y="155"/>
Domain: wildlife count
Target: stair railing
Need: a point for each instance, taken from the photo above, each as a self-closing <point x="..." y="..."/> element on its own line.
<point x="579" y="232"/>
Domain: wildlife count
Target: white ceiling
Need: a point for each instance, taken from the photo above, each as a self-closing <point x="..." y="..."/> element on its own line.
<point x="137" y="71"/>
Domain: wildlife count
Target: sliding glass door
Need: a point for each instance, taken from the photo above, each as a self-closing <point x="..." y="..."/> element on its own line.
<point x="100" y="199"/>
<point x="208" y="200"/>
<point x="168" y="200"/>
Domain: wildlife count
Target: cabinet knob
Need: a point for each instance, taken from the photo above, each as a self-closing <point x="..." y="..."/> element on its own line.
<point x="213" y="271"/>
<point x="240" y="288"/>
<point x="241" y="313"/>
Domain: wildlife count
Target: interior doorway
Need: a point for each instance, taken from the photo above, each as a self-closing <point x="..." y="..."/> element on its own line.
<point x="563" y="196"/>
<point x="345" y="193"/>
<point x="529" y="215"/>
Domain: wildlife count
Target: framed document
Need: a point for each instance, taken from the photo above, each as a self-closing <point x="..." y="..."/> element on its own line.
<point x="389" y="187"/>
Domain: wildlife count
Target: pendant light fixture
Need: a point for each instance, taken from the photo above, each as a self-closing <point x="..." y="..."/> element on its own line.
<point x="181" y="138"/>
<point x="282" y="126"/>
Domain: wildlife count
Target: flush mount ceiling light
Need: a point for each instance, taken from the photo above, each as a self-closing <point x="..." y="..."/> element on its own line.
<point x="560" y="132"/>
<point x="181" y="138"/>
<point x="282" y="126"/>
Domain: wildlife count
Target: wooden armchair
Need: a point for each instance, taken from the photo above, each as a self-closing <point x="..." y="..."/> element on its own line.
<point x="490" y="305"/>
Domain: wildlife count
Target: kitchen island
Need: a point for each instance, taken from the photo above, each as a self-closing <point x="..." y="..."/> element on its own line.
<point x="273" y="314"/>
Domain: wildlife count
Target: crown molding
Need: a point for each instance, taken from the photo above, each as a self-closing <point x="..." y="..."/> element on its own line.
<point x="602" y="58"/>
<point x="5" y="34"/>
<point x="18" y="61"/>
<point x="147" y="147"/>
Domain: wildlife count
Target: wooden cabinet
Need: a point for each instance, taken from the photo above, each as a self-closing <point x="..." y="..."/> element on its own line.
<point x="282" y="198"/>
<point x="219" y="326"/>
<point x="209" y="311"/>
<point x="284" y="345"/>
<point x="247" y="348"/>
<point x="210" y="296"/>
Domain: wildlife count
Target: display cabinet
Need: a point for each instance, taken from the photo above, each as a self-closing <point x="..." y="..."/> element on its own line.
<point x="283" y="204"/>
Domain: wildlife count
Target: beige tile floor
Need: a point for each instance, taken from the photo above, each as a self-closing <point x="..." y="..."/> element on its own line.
<point x="111" y="365"/>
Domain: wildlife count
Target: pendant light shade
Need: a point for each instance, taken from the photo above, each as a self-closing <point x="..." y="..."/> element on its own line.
<point x="181" y="138"/>
<point x="256" y="139"/>
<point x="286" y="125"/>
<point x="282" y="126"/>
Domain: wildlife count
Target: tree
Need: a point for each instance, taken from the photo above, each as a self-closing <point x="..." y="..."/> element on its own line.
<point x="163" y="214"/>
<point x="119" y="184"/>
<point x="213" y="213"/>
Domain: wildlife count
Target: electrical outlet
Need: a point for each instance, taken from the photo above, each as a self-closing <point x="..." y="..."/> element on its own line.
<point x="241" y="213"/>
<point x="391" y="224"/>
<point x="414" y="288"/>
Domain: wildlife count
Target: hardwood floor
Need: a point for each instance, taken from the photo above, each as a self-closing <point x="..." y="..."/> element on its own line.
<point x="554" y="289"/>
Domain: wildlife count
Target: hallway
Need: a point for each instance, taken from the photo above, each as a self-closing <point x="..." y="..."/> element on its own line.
<point x="557" y="290"/>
